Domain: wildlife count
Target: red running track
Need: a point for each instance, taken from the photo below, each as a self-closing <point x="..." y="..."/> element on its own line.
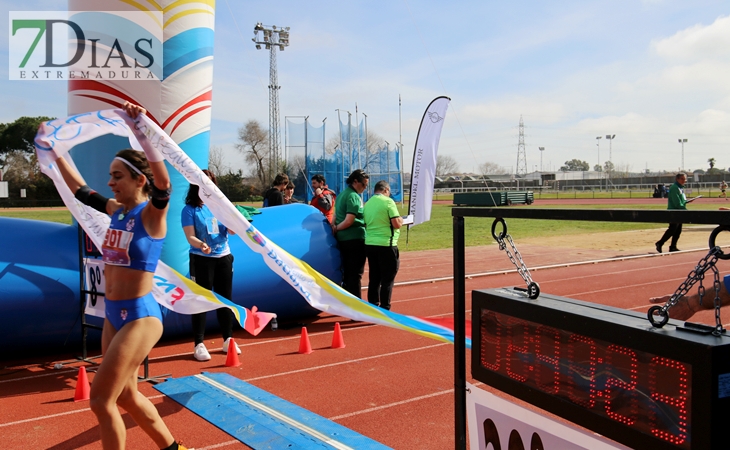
<point x="389" y="385"/>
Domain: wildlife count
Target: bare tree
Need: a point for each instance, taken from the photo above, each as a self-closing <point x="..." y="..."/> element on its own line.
<point x="216" y="161"/>
<point x="621" y="170"/>
<point x="490" y="168"/>
<point x="254" y="144"/>
<point x="445" y="165"/>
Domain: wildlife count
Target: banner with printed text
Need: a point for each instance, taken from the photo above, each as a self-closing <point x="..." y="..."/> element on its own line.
<point x="423" y="173"/>
<point x="57" y="137"/>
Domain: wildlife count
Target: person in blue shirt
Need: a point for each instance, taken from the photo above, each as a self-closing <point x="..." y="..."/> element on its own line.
<point x="211" y="264"/>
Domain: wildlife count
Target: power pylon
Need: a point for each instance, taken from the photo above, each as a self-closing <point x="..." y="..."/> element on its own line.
<point x="521" y="158"/>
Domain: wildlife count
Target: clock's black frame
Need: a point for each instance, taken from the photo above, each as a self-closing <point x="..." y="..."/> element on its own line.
<point x="709" y="356"/>
<point x="603" y="215"/>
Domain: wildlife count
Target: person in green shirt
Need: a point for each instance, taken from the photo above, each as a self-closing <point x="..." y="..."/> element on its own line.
<point x="349" y="229"/>
<point x="675" y="200"/>
<point x="383" y="223"/>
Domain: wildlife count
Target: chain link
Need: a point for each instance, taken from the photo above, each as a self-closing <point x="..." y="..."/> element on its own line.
<point x="697" y="275"/>
<point x="521" y="267"/>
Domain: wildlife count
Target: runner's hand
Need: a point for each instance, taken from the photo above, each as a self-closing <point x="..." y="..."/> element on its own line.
<point x="683" y="310"/>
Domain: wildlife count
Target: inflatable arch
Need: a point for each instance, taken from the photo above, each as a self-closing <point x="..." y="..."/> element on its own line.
<point x="40" y="265"/>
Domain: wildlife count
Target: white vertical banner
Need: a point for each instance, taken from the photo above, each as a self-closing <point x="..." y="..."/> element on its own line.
<point x="423" y="172"/>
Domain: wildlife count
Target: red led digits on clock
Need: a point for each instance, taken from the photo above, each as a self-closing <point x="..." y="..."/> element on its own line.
<point x="582" y="367"/>
<point x="492" y="336"/>
<point x="547" y="353"/>
<point x="669" y="375"/>
<point x="519" y="339"/>
<point x="626" y="386"/>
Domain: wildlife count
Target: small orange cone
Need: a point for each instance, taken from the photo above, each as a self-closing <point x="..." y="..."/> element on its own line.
<point x="82" y="386"/>
<point x="232" y="355"/>
<point x="337" y="341"/>
<point x="305" y="347"/>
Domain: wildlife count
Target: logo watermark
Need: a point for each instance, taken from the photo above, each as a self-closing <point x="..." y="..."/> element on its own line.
<point x="85" y="45"/>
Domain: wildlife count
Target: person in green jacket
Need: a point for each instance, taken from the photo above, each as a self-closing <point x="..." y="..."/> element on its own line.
<point x="349" y="229"/>
<point x="675" y="200"/>
<point x="383" y="223"/>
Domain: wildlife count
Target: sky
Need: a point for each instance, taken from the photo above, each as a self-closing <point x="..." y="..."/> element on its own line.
<point x="649" y="72"/>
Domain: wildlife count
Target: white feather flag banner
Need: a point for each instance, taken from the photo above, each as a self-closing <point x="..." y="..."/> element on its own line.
<point x="423" y="172"/>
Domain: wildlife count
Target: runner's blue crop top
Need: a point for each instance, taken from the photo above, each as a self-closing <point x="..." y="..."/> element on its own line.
<point x="127" y="243"/>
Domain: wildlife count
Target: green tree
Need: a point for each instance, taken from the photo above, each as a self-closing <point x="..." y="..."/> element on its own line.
<point x="17" y="155"/>
<point x="19" y="135"/>
<point x="597" y="168"/>
<point x="232" y="185"/>
<point x="575" y="165"/>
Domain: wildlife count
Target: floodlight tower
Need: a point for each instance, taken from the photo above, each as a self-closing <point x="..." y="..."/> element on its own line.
<point x="598" y="146"/>
<point x="609" y="138"/>
<point x="272" y="38"/>
<point x="682" y="141"/>
<point x="542" y="149"/>
<point x="521" y="158"/>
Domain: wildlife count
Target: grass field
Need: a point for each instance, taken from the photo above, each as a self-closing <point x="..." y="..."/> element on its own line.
<point x="437" y="233"/>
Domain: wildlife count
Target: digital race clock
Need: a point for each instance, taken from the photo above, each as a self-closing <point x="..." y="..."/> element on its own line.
<point x="605" y="369"/>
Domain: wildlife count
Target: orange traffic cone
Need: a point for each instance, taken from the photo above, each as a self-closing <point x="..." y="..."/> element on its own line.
<point x="337" y="341"/>
<point x="305" y="347"/>
<point x="82" y="386"/>
<point x="232" y="355"/>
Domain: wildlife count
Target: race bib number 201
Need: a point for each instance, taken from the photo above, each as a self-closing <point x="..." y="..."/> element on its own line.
<point x="116" y="247"/>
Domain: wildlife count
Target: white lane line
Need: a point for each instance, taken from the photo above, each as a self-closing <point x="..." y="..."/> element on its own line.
<point x="275" y="414"/>
<point x="30" y="377"/>
<point x="221" y="445"/>
<point x="51" y="416"/>
<point x="349" y="361"/>
<point x="390" y="405"/>
<point x="252" y="379"/>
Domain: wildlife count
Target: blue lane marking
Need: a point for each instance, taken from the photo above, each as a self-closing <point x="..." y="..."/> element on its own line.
<point x="257" y="418"/>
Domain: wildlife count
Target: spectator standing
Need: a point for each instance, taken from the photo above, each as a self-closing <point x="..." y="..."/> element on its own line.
<point x="324" y="198"/>
<point x="274" y="195"/>
<point x="289" y="194"/>
<point x="383" y="223"/>
<point x="211" y="264"/>
<point x="349" y="229"/>
<point x="675" y="200"/>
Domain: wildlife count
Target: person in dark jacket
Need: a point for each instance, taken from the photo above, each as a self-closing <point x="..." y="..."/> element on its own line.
<point x="274" y="195"/>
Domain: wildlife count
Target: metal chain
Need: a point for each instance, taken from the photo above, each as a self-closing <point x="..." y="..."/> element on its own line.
<point x="521" y="267"/>
<point x="718" y="323"/>
<point x="697" y="275"/>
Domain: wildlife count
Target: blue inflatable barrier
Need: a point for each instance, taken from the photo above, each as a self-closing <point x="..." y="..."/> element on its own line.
<point x="40" y="281"/>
